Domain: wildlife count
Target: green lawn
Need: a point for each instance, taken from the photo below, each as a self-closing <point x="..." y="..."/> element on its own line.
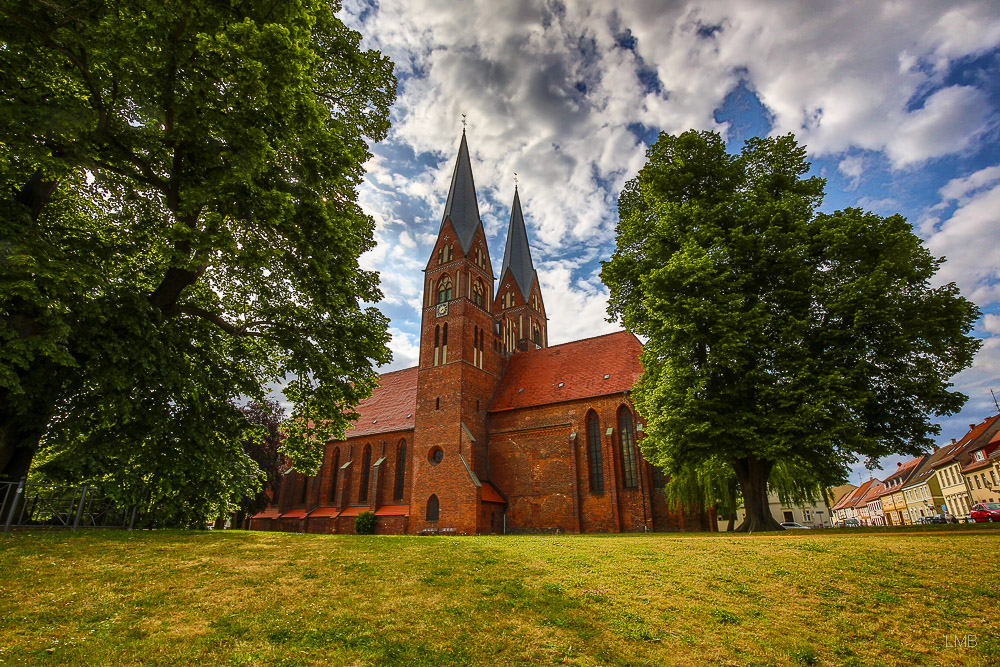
<point x="238" y="598"/>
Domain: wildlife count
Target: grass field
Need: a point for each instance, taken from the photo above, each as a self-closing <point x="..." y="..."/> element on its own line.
<point x="924" y="597"/>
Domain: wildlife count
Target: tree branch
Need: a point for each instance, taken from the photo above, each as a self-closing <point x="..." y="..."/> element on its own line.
<point x="222" y="323"/>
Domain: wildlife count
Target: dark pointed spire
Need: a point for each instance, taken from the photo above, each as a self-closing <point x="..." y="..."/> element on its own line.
<point x="517" y="254"/>
<point x="462" y="207"/>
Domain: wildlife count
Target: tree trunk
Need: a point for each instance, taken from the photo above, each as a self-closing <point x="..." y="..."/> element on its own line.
<point x="732" y="523"/>
<point x="752" y="474"/>
<point x="18" y="441"/>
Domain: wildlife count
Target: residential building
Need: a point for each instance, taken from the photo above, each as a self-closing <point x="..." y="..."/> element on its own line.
<point x="847" y="506"/>
<point x="892" y="499"/>
<point x="949" y="468"/>
<point x="922" y="492"/>
<point x="869" y="507"/>
<point x="818" y="514"/>
<point x="980" y="473"/>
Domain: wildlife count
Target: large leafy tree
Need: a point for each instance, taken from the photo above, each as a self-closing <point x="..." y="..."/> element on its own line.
<point x="777" y="333"/>
<point x="179" y="229"/>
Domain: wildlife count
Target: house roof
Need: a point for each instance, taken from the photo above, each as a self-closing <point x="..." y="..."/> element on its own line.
<point x="873" y="493"/>
<point x="926" y="469"/>
<point x="517" y="253"/>
<point x="851" y="499"/>
<point x="838" y="493"/>
<point x="586" y="368"/>
<point x="897" y="480"/>
<point x="390" y="407"/>
<point x="462" y="207"/>
<point x="970" y="440"/>
<point x="988" y="449"/>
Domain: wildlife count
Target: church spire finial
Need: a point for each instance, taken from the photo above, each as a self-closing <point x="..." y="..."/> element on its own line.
<point x="517" y="253"/>
<point x="462" y="208"/>
<point x="463" y="123"/>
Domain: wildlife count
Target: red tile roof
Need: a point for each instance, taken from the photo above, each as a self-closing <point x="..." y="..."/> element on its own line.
<point x="586" y="368"/>
<point x="393" y="510"/>
<point x="323" y="512"/>
<point x="874" y="491"/>
<point x="491" y="495"/>
<point x="353" y="511"/>
<point x="964" y="445"/>
<point x="852" y="499"/>
<point x="295" y="514"/>
<point x="390" y="407"/>
<point x="986" y="462"/>
<point x="901" y="475"/>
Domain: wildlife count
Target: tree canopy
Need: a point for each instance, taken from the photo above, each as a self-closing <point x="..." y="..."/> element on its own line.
<point x="777" y="333"/>
<point x="180" y="231"/>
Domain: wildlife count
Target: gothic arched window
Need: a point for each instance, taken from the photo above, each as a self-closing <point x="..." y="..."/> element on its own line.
<point x="536" y="334"/>
<point x="305" y="490"/>
<point x="444" y="343"/>
<point x="437" y="345"/>
<point x="595" y="458"/>
<point x="334" y="473"/>
<point x="481" y="337"/>
<point x="400" y="470"/>
<point x="630" y="468"/>
<point x="477" y="293"/>
<point x="365" y="471"/>
<point x="433" y="510"/>
<point x="445" y="253"/>
<point x="444" y="289"/>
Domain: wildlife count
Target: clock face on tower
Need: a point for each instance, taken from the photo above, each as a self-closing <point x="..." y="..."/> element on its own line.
<point x="442" y="309"/>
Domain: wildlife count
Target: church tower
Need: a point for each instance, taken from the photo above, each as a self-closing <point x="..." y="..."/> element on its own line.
<point x="459" y="368"/>
<point x="519" y="309"/>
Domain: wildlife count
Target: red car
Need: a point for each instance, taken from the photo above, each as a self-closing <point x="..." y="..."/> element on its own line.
<point x="985" y="512"/>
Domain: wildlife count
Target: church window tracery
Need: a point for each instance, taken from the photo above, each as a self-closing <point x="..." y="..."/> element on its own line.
<point x="630" y="470"/>
<point x="594" y="456"/>
<point x="445" y="253"/>
<point x="477" y="293"/>
<point x="444" y="289"/>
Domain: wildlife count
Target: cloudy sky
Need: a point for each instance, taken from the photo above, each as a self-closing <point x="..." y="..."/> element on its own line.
<point x="895" y="101"/>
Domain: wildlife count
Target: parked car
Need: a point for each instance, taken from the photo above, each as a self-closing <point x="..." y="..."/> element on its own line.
<point x="943" y="518"/>
<point x="791" y="524"/>
<point x="923" y="519"/>
<point x="849" y="523"/>
<point x="985" y="512"/>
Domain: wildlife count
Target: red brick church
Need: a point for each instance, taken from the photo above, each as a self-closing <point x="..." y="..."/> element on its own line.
<point x="494" y="431"/>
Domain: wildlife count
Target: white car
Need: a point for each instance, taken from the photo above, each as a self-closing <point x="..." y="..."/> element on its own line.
<point x="791" y="524"/>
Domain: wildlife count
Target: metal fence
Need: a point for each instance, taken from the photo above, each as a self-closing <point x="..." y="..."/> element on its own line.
<point x="29" y="505"/>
